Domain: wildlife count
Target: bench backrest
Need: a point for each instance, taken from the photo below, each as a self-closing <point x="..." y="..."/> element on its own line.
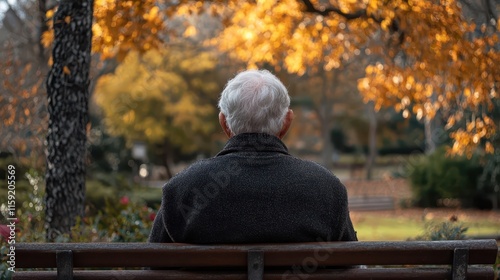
<point x="284" y="261"/>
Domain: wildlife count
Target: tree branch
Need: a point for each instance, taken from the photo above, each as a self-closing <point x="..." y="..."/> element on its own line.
<point x="326" y="11"/>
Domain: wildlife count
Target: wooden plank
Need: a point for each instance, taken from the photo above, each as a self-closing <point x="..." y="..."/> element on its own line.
<point x="185" y="255"/>
<point x="474" y="273"/>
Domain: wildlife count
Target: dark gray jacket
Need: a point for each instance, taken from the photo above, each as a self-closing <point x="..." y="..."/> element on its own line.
<point x="253" y="191"/>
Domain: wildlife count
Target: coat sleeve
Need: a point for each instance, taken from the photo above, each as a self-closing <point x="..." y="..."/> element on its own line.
<point x="344" y="220"/>
<point x="349" y="233"/>
<point x="159" y="232"/>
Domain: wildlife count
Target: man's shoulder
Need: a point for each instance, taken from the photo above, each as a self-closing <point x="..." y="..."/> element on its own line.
<point x="311" y="166"/>
<point x="195" y="167"/>
<point x="203" y="169"/>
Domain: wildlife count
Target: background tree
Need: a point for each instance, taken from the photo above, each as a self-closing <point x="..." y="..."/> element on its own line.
<point x="67" y="89"/>
<point x="454" y="73"/>
<point x="280" y="33"/>
<point x="165" y="97"/>
<point x="22" y="67"/>
<point x="425" y="49"/>
<point x="118" y="28"/>
<point x="429" y="57"/>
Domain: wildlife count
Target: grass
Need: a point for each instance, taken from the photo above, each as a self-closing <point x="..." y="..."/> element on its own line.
<point x="372" y="227"/>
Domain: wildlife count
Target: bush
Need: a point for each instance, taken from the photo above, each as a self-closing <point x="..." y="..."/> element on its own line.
<point x="448" y="230"/>
<point x="5" y="274"/>
<point x="438" y="177"/>
<point x="123" y="221"/>
<point x="108" y="218"/>
<point x="118" y="220"/>
<point x="96" y="195"/>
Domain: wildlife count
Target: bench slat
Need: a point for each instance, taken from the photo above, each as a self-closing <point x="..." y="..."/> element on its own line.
<point x="473" y="273"/>
<point x="42" y="255"/>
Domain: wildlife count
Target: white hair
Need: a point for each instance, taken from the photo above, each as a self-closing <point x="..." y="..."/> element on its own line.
<point x="254" y="101"/>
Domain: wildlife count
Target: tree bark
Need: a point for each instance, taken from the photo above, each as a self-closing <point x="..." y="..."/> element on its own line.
<point x="326" y="113"/>
<point x="430" y="145"/>
<point x="167" y="158"/>
<point x="67" y="90"/>
<point x="372" y="141"/>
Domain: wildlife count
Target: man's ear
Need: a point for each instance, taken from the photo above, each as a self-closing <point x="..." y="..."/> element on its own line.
<point x="286" y="124"/>
<point x="223" y="124"/>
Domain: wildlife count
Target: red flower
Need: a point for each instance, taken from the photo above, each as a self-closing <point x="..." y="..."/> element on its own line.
<point x="152" y="216"/>
<point x="124" y="200"/>
<point x="5" y="232"/>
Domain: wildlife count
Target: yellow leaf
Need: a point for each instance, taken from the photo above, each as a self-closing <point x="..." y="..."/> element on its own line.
<point x="489" y="148"/>
<point x="47" y="38"/>
<point x="66" y="70"/>
<point x="67" y="19"/>
<point x="190" y="31"/>
<point x="49" y="14"/>
<point x="385" y="23"/>
<point x="467" y="92"/>
<point x="153" y="12"/>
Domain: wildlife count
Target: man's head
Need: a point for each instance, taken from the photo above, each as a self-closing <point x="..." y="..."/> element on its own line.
<point x="255" y="101"/>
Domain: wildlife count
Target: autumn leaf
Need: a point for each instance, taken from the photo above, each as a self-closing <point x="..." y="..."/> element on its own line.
<point x="156" y="96"/>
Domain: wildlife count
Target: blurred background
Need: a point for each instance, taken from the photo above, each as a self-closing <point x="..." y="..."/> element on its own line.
<point x="398" y="98"/>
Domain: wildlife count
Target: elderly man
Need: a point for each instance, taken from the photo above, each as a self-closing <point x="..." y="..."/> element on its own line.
<point x="253" y="191"/>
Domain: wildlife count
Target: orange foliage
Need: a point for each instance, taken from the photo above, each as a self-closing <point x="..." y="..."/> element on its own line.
<point x="429" y="57"/>
<point x="120" y="27"/>
<point x="23" y="116"/>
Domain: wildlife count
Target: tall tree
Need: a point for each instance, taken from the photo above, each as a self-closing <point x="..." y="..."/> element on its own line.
<point x="24" y="120"/>
<point x="426" y="48"/>
<point x="67" y="90"/>
<point x="164" y="97"/>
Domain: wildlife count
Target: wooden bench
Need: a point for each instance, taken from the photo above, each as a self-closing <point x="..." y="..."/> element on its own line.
<point x="467" y="259"/>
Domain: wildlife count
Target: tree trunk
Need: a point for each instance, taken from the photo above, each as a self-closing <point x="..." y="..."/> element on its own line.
<point x="430" y="145"/>
<point x="167" y="159"/>
<point x="372" y="141"/>
<point x="326" y="113"/>
<point x="67" y="90"/>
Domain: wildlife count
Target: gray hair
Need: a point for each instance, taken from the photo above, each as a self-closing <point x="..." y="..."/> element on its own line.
<point x="254" y="101"/>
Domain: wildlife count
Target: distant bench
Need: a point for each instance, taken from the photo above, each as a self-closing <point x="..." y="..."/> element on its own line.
<point x="467" y="259"/>
<point x="370" y="203"/>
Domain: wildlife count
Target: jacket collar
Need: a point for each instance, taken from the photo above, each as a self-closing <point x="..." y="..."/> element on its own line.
<point x="254" y="142"/>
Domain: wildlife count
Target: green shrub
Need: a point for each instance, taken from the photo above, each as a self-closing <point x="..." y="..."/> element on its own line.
<point x="150" y="196"/>
<point x="119" y="221"/>
<point x="102" y="187"/>
<point x="5" y="274"/>
<point x="96" y="195"/>
<point x="439" y="176"/>
<point x="489" y="182"/>
<point x="447" y="230"/>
